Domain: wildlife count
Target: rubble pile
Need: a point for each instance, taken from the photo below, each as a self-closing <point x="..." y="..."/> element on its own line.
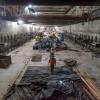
<point x="39" y="84"/>
<point x="70" y="62"/>
<point x="47" y="43"/>
<point x="43" y="44"/>
<point x="36" y="58"/>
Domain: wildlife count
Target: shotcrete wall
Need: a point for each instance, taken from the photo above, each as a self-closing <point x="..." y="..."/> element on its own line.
<point x="7" y="27"/>
<point x="88" y="28"/>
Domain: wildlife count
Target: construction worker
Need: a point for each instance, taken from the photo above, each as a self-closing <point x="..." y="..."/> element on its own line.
<point x="52" y="62"/>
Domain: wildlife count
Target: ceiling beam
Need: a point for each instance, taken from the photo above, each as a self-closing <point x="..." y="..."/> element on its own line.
<point x="50" y="17"/>
<point x="68" y="10"/>
<point x="53" y="23"/>
<point x="50" y="21"/>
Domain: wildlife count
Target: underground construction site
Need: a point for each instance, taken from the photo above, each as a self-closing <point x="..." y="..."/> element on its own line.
<point x="49" y="49"/>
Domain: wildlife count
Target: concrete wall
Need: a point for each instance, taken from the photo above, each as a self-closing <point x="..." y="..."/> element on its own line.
<point x="7" y="27"/>
<point x="90" y="28"/>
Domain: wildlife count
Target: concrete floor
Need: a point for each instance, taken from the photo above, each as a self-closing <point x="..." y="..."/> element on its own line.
<point x="21" y="59"/>
<point x="87" y="61"/>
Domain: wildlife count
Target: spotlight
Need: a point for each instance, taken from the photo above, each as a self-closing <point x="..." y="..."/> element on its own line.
<point x="19" y="22"/>
<point x="56" y="27"/>
<point x="30" y="6"/>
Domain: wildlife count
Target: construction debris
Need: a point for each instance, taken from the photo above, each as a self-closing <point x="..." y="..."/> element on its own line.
<point x="43" y="44"/>
<point x="61" y="47"/>
<point x="70" y="62"/>
<point x="50" y="42"/>
<point x="38" y="84"/>
<point x="5" y="61"/>
<point x="36" y="58"/>
<point x="95" y="47"/>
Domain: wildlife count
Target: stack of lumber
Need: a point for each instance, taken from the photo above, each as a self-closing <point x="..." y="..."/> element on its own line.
<point x="92" y="87"/>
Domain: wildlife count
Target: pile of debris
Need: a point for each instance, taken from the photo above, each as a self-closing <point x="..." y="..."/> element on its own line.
<point x="41" y="90"/>
<point x="43" y="44"/>
<point x="36" y="58"/>
<point x="61" y="47"/>
<point x="47" y="43"/>
<point x="70" y="62"/>
<point x="5" y="61"/>
<point x="38" y="84"/>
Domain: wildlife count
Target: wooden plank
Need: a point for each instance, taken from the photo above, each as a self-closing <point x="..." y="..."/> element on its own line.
<point x="91" y="86"/>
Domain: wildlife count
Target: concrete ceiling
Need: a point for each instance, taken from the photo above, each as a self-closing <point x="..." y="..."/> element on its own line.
<point x="51" y="14"/>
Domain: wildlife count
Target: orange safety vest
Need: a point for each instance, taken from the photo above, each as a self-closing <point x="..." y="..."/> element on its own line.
<point x="52" y="61"/>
